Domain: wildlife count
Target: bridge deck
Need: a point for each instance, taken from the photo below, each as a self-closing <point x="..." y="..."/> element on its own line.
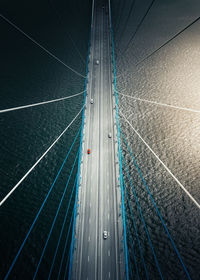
<point x="99" y="196"/>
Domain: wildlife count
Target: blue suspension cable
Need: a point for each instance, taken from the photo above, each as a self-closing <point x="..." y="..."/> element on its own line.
<point x="165" y="227"/>
<point x="120" y="156"/>
<point x="131" y="271"/>
<point x="52" y="226"/>
<point x="123" y="244"/>
<point x="66" y="267"/>
<point x="55" y="254"/>
<point x="138" y="240"/>
<point x="79" y="161"/>
<point x="152" y="248"/>
<point x="31" y="228"/>
<point x="67" y="238"/>
<point x="132" y="247"/>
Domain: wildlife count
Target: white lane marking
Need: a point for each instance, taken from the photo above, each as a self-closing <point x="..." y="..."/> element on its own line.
<point x="89" y="238"/>
<point x="39" y="45"/>
<point x="178" y="182"/>
<point x="161" y="104"/>
<point x="29" y="171"/>
<point x="89" y="220"/>
<point x="40" y="103"/>
<point x="109" y="274"/>
<point x="88" y="259"/>
<point x="109" y="253"/>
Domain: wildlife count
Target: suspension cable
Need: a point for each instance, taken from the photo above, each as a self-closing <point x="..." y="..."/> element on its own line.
<point x="138" y="26"/>
<point x="137" y="237"/>
<point x="127" y="19"/>
<point x="36" y="217"/>
<point x="158" y="49"/>
<point x="39" y="45"/>
<point x="133" y="251"/>
<point x="35" y="164"/>
<point x="40" y="103"/>
<point x="143" y="221"/>
<point x="121" y="10"/>
<point x="160" y="104"/>
<point x="68" y="33"/>
<point x="164" y="225"/>
<point x="80" y="153"/>
<point x="54" y="220"/>
<point x="65" y="247"/>
<point x="131" y="271"/>
<point x="176" y="35"/>
<point x="61" y="232"/>
<point x="173" y="176"/>
<point x="66" y="267"/>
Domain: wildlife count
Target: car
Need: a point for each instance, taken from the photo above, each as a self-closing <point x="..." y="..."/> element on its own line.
<point x="109" y="135"/>
<point x="97" y="62"/>
<point x="105" y="234"/>
<point x="91" y="101"/>
<point x="88" y="151"/>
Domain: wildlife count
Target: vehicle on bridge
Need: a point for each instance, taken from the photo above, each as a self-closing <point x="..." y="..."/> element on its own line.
<point x="105" y="234"/>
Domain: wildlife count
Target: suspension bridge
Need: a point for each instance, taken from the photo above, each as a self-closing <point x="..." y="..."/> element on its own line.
<point x="99" y="237"/>
<point x="99" y="197"/>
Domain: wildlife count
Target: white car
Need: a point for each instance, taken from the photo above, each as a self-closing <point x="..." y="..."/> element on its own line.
<point x="97" y="62"/>
<point x="109" y="135"/>
<point x="91" y="101"/>
<point x="105" y="234"/>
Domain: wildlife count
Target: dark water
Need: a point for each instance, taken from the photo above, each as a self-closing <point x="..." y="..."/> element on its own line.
<point x="29" y="75"/>
<point x="171" y="76"/>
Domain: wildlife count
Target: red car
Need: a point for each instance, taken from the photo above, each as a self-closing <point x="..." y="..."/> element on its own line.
<point x="88" y="151"/>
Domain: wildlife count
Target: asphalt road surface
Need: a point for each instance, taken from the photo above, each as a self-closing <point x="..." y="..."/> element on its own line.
<point x="99" y="196"/>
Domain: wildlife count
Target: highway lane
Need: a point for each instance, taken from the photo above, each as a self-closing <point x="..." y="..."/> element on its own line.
<point x="98" y="197"/>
